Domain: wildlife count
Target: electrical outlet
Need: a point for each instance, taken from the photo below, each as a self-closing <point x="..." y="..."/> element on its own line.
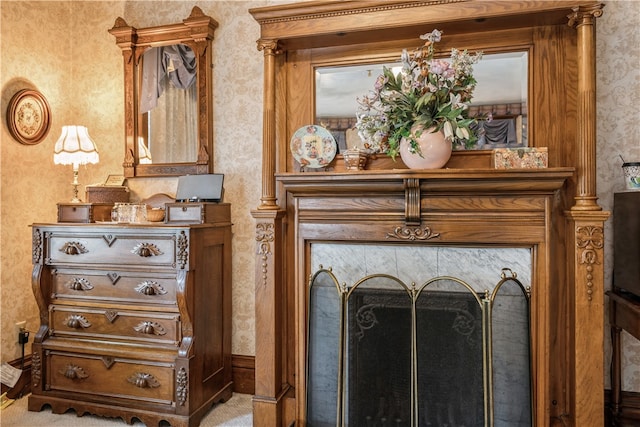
<point x="21" y="326"/>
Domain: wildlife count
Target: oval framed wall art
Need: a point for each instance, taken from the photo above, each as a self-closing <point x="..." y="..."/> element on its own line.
<point x="28" y="117"/>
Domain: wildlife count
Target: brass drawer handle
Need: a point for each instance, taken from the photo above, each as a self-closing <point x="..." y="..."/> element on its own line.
<point x="142" y="380"/>
<point x="73" y="248"/>
<point x="146" y="250"/>
<point x="79" y="284"/>
<point x="77" y="321"/>
<point x="149" y="287"/>
<point x="150" y="328"/>
<point x="74" y="372"/>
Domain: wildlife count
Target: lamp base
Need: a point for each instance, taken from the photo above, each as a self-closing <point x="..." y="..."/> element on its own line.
<point x="75" y="186"/>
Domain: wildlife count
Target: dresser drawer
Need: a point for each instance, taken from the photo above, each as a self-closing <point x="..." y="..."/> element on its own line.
<point x="114" y="248"/>
<point x="115" y="286"/>
<point x="111" y="376"/>
<point x="122" y="325"/>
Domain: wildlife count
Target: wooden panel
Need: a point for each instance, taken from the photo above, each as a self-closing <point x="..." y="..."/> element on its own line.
<point x="113" y="377"/>
<point x="116" y="285"/>
<point x="110" y="247"/>
<point x="148" y="327"/>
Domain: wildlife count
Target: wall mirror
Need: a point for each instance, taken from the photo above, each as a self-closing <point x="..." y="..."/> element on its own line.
<point x="501" y="90"/>
<point x="168" y="98"/>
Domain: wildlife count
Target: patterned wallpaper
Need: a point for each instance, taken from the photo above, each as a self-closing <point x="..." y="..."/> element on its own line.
<point x="618" y="134"/>
<point x="63" y="49"/>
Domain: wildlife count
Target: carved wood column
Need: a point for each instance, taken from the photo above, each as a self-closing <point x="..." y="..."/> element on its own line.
<point x="268" y="199"/>
<point x="585" y="242"/>
<point x="270" y="309"/>
<point x="583" y="18"/>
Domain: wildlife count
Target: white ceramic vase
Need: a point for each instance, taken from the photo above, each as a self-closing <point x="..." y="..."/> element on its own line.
<point x="435" y="149"/>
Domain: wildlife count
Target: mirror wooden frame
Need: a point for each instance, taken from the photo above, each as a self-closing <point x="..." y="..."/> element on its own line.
<point x="196" y="31"/>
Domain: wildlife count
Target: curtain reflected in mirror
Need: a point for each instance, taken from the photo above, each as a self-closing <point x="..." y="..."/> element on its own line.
<point x="168" y="105"/>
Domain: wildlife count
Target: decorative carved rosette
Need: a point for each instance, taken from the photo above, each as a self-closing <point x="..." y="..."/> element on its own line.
<point x="182" y="253"/>
<point x="182" y="386"/>
<point x="264" y="237"/>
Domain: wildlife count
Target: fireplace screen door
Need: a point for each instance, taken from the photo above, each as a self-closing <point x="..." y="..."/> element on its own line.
<point x="385" y="354"/>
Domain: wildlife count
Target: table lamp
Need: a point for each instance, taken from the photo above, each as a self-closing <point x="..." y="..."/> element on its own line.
<point x="75" y="147"/>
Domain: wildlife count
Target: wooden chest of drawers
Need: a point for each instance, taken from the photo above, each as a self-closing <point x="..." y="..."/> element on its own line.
<point x="135" y="320"/>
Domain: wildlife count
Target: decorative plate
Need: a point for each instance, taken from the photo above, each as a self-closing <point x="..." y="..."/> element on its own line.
<point x="28" y="117"/>
<point x="313" y="146"/>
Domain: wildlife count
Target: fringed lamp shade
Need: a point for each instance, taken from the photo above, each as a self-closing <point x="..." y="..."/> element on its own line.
<point x="75" y="147"/>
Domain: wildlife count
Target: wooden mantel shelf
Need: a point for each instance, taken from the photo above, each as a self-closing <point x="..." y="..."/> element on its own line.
<point x="438" y="180"/>
<point x="414" y="196"/>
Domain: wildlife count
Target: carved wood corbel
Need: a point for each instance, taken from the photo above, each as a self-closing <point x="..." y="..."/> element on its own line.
<point x="412" y="201"/>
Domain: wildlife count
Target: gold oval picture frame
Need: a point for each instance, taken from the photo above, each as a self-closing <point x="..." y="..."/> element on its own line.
<point x="28" y="117"/>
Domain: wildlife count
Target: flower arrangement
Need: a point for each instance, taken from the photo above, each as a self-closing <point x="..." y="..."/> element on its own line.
<point x="427" y="92"/>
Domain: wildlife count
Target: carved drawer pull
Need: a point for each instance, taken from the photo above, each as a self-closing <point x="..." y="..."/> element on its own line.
<point x="77" y="321"/>
<point x="143" y="380"/>
<point x="79" y="284"/>
<point x="73" y="248"/>
<point x="149" y="287"/>
<point x="74" y="372"/>
<point x="150" y="328"/>
<point x="146" y="250"/>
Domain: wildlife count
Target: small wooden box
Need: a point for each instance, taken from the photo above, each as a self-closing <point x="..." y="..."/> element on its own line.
<point x="521" y="158"/>
<point x="197" y="213"/>
<point x="107" y="193"/>
<point x="84" y="212"/>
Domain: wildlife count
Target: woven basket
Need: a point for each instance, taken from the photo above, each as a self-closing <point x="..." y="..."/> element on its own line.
<point x="155" y="215"/>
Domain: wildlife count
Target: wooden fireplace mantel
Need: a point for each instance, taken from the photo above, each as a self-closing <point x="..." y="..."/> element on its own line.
<point x="553" y="211"/>
<point x="461" y="208"/>
<point x="435" y="181"/>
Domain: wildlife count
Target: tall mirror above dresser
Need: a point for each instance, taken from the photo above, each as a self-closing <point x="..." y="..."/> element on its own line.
<point x="168" y="96"/>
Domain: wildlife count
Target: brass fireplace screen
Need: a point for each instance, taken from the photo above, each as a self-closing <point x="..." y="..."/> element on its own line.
<point x="385" y="354"/>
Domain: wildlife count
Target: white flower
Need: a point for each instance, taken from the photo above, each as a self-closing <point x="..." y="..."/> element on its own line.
<point x="448" y="130"/>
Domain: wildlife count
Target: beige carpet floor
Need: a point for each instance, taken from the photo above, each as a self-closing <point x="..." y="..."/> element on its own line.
<point x="236" y="412"/>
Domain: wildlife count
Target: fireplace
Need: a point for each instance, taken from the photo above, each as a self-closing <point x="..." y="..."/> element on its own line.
<point x="434" y="352"/>
<point x="553" y="213"/>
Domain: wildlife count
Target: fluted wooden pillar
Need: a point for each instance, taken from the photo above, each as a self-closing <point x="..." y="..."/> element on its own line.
<point x="583" y="19"/>
<point x="585" y="242"/>
<point x="268" y="199"/>
<point x="270" y="386"/>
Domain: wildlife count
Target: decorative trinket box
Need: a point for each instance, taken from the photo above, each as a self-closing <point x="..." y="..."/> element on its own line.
<point x="521" y="158"/>
<point x="107" y="193"/>
<point x="197" y="213"/>
<point x="84" y="212"/>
